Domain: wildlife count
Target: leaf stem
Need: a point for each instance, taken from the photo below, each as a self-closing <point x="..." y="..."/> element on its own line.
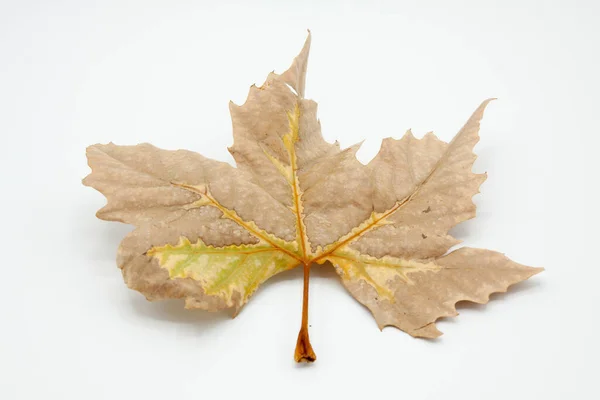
<point x="304" y="351"/>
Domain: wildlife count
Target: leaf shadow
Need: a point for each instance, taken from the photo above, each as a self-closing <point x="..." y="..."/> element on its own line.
<point x="100" y="239"/>
<point x="519" y="287"/>
<point x="326" y="271"/>
<point x="468" y="306"/>
<point x="485" y="158"/>
<point x="173" y="311"/>
<point x="468" y="229"/>
<point x="317" y="273"/>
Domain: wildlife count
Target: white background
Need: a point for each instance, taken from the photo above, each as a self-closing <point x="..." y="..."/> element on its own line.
<point x="75" y="73"/>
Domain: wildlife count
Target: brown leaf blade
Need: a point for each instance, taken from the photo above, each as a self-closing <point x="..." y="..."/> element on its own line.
<point x="431" y="184"/>
<point x="464" y="274"/>
<point x="211" y="234"/>
<point x="141" y="186"/>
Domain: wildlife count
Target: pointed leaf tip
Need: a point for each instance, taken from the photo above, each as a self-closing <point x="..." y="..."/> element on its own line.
<point x="295" y="75"/>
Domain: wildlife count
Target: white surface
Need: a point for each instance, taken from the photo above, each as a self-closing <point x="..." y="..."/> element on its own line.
<point x="74" y="73"/>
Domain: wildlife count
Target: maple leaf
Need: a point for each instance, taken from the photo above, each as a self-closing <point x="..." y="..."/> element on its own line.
<point x="210" y="233"/>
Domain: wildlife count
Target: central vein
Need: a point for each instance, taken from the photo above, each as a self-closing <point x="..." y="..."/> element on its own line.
<point x="289" y="141"/>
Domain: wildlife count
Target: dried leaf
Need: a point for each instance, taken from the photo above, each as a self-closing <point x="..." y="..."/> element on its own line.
<point x="210" y="233"/>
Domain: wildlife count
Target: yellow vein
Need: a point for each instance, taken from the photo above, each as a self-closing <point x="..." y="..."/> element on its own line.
<point x="378" y="263"/>
<point x="298" y="208"/>
<point x="289" y="173"/>
<point x="232" y="215"/>
<point x="372" y="223"/>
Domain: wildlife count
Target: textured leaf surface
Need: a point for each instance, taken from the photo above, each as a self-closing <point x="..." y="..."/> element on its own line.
<point x="210" y="233"/>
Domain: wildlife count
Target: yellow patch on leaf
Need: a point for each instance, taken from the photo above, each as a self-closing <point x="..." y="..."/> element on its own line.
<point x="232" y="273"/>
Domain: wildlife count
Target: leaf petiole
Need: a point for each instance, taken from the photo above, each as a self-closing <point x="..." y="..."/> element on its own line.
<point x="304" y="351"/>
